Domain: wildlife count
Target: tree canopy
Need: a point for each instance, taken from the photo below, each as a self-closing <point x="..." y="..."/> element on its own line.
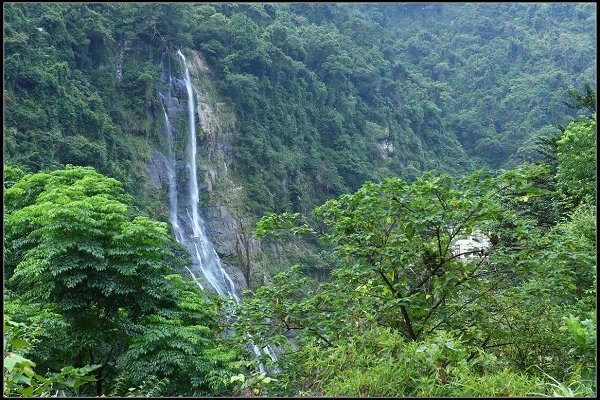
<point x="326" y="96"/>
<point x="97" y="282"/>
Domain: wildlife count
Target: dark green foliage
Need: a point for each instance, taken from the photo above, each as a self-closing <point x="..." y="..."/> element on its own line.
<point x="326" y="96"/>
<point x="335" y="83"/>
<point x="507" y="65"/>
<point x="71" y="96"/>
<point x="179" y="344"/>
<point x="506" y="318"/>
<point x="20" y="379"/>
<point x="585" y="101"/>
<point x="49" y="326"/>
<point x="150" y="387"/>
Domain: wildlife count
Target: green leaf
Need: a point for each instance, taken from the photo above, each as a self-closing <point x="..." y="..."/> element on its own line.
<point x="236" y="378"/>
<point x="19" y="343"/>
<point x="12" y="359"/>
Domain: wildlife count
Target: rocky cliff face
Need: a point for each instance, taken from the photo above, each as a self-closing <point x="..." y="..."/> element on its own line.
<point x="227" y="228"/>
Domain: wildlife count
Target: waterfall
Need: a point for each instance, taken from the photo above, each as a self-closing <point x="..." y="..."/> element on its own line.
<point x="172" y="179"/>
<point x="170" y="164"/>
<point x="209" y="261"/>
<point x="188" y="226"/>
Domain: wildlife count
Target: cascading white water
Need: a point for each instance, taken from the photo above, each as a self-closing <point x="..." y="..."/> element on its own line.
<point x="203" y="253"/>
<point x="172" y="179"/>
<point x="207" y="256"/>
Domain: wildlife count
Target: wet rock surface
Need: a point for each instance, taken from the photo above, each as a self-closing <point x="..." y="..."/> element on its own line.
<point x="156" y="169"/>
<point x="213" y="148"/>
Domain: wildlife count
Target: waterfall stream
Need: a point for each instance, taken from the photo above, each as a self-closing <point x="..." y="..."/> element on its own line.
<point x="188" y="226"/>
<point x="207" y="257"/>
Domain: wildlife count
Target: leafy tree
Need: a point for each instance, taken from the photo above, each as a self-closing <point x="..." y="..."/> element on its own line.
<point x="398" y="240"/>
<point x="51" y="336"/>
<point x="74" y="235"/>
<point x="576" y="152"/>
<point x="11" y="175"/>
<point x="73" y="245"/>
<point x="179" y="344"/>
<point x="20" y="379"/>
<point x="397" y="268"/>
<point x="582" y="101"/>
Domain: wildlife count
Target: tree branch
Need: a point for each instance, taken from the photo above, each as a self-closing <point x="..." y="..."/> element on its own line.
<point x="410" y="332"/>
<point x="473" y="353"/>
<point x="461" y="308"/>
<point x="387" y="282"/>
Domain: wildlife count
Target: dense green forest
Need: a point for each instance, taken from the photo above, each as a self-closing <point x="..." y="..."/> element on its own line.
<point x="326" y="96"/>
<point x="374" y="135"/>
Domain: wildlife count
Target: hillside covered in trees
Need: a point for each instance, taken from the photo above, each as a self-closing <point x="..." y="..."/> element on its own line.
<point x="362" y="142"/>
<point x="326" y="96"/>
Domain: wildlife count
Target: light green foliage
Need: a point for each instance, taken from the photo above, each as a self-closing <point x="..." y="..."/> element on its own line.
<point x="380" y="362"/>
<point x="576" y="153"/>
<point x="74" y="244"/>
<point x="255" y="383"/>
<point x="555" y="388"/>
<point x="564" y="190"/>
<point x="94" y="279"/>
<point x="11" y="175"/>
<point x="71" y="243"/>
<point x="583" y="343"/>
<point x="180" y="344"/>
<point x="557" y="275"/>
<point x="397" y="271"/>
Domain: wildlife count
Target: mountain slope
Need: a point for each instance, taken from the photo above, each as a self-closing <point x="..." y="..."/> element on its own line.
<point x="325" y="96"/>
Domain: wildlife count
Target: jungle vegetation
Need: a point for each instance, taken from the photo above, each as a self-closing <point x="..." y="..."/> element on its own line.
<point x="378" y="134"/>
